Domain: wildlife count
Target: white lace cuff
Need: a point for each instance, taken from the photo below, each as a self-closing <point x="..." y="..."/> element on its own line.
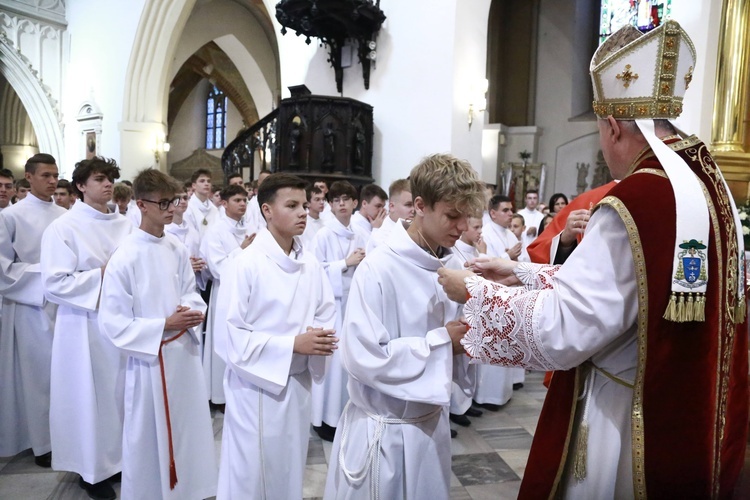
<point x="535" y="276"/>
<point x="504" y="323"/>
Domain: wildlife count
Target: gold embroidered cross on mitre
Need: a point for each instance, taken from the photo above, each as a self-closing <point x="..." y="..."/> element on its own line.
<point x="627" y="76"/>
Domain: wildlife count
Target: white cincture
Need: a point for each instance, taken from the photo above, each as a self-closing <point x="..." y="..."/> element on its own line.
<point x="373" y="452"/>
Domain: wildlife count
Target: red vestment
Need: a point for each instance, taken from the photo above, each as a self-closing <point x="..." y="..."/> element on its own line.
<point x="690" y="399"/>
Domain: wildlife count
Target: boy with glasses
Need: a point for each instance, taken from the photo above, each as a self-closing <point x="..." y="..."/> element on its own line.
<point x="149" y="310"/>
<point x="340" y="247"/>
<point x="226" y="238"/>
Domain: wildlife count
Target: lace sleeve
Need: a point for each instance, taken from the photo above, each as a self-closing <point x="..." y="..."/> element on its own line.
<point x="535" y="276"/>
<point x="503" y="323"/>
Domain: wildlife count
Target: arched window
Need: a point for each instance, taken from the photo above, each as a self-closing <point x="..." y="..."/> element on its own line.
<point x="643" y="14"/>
<point x="216" y="119"/>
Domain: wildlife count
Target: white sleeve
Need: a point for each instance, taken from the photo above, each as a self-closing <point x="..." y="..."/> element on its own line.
<point x="137" y="337"/>
<point x="19" y="281"/>
<point x="589" y="302"/>
<point x="63" y="284"/>
<point x="412" y="368"/>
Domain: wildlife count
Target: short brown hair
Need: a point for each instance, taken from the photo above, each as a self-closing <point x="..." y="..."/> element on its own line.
<point x="121" y="191"/>
<point x="370" y="191"/>
<point x="198" y="173"/>
<point x="342" y="188"/>
<point x="443" y="177"/>
<point x="232" y="190"/>
<point x="86" y="168"/>
<point x="38" y="158"/>
<point x="151" y="181"/>
<point x="267" y="191"/>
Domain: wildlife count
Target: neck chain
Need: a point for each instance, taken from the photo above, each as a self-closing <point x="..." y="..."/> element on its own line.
<point x="424" y="240"/>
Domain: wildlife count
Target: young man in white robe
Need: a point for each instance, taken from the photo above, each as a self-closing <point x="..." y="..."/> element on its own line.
<point x="340" y="247"/>
<point x="371" y="213"/>
<point x="254" y="219"/>
<point x="6" y="188"/>
<point x="316" y="202"/>
<point x="531" y="215"/>
<point x="87" y="371"/>
<point x="276" y="337"/>
<point x="495" y="383"/>
<point x="400" y="206"/>
<point x="149" y="309"/>
<point x="468" y="247"/>
<point x="201" y="213"/>
<point x="402" y="350"/>
<point x="189" y="237"/>
<point x="518" y="228"/>
<point x="222" y="242"/>
<point x="28" y="319"/>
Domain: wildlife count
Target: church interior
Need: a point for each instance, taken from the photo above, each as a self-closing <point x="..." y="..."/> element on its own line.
<point x="231" y="85"/>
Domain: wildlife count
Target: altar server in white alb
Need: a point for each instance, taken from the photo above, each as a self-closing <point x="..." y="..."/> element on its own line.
<point x="401" y="348"/>
<point x="279" y="327"/>
<point x="468" y="247"/>
<point x="86" y="394"/>
<point x="315" y="204"/>
<point x="371" y="213"/>
<point x="149" y="309"/>
<point x="400" y="206"/>
<point x="190" y="238"/>
<point x="340" y="247"/>
<point x="254" y="219"/>
<point x="495" y="383"/>
<point x="224" y="240"/>
<point x="28" y="319"/>
<point x="201" y="213"/>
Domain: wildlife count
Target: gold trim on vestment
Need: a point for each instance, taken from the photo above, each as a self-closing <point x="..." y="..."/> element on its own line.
<point x="715" y="460"/>
<point x="636" y="417"/>
<point x="654" y="171"/>
<point x="564" y="458"/>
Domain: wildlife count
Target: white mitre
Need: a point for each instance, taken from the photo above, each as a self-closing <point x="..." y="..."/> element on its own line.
<point x="643" y="77"/>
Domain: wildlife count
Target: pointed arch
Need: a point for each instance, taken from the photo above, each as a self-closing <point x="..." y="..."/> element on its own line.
<point x="41" y="108"/>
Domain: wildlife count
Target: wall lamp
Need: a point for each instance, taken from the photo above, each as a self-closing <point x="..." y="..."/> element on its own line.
<point x="159" y="145"/>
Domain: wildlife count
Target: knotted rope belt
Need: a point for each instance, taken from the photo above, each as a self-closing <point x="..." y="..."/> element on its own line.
<point x="172" y="467"/>
<point x="372" y="461"/>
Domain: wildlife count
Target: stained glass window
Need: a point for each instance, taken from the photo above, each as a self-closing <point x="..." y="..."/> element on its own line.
<point x="643" y="14"/>
<point x="216" y="114"/>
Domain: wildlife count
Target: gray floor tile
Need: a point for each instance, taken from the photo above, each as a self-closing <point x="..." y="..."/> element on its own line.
<point x="482" y="468"/>
<point x="516" y="438"/>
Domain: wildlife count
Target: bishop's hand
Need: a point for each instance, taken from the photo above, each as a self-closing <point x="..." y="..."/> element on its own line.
<point x="495" y="269"/>
<point x="452" y="281"/>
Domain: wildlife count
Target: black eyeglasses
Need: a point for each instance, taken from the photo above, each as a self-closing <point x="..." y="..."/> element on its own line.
<point x="164" y="204"/>
<point x="339" y="199"/>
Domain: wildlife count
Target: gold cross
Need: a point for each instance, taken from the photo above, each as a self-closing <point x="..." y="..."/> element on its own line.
<point x="627" y="76"/>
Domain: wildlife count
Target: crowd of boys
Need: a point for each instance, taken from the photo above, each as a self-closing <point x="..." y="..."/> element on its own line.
<point x="127" y="306"/>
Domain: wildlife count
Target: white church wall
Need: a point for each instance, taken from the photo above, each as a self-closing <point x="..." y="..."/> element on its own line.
<point x="469" y="71"/>
<point x="554" y="90"/>
<point x="411" y="88"/>
<point x="582" y="150"/>
<point x="101" y="40"/>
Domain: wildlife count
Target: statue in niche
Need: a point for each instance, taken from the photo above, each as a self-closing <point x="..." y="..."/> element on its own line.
<point x="359" y="149"/>
<point x="329" y="145"/>
<point x="583" y="172"/>
<point x="294" y="137"/>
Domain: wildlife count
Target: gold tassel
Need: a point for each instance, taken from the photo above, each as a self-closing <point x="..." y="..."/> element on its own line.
<point x="689" y="312"/>
<point x="700" y="307"/>
<point x="582" y="443"/>
<point x="671" y="313"/>
<point x="681" y="308"/>
<point x="740" y="311"/>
